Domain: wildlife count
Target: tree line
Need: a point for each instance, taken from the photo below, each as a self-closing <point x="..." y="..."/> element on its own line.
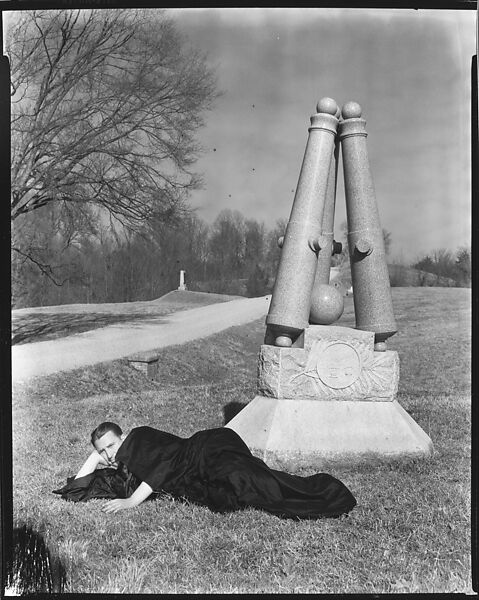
<point x="233" y="255"/>
<point x="444" y="263"/>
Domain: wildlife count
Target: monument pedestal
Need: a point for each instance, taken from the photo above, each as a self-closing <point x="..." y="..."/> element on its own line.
<point x="288" y="434"/>
<point x="331" y="400"/>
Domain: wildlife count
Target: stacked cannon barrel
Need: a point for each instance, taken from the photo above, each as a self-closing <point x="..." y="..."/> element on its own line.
<point x="302" y="294"/>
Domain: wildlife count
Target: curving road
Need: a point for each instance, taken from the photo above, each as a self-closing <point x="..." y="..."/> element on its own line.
<point x="124" y="339"/>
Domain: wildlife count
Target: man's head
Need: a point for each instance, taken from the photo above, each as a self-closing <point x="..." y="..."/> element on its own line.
<point x="106" y="439"/>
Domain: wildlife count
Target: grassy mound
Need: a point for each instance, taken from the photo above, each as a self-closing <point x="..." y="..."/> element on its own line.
<point x="409" y="533"/>
<point x="51" y="322"/>
<point x="185" y="298"/>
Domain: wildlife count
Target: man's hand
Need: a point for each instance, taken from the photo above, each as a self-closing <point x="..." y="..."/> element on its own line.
<point x="141" y="493"/>
<point x="113" y="506"/>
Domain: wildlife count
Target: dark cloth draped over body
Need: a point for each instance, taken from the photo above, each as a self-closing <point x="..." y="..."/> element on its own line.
<point x="214" y="468"/>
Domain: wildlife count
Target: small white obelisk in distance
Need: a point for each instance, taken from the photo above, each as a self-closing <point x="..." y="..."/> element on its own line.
<point x="182" y="285"/>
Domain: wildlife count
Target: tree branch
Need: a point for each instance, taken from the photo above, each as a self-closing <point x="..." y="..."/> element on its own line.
<point x="44" y="268"/>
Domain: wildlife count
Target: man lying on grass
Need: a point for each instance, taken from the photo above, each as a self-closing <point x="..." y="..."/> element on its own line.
<point x="213" y="467"/>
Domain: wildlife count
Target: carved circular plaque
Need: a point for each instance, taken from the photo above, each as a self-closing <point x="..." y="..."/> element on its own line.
<point x="339" y="365"/>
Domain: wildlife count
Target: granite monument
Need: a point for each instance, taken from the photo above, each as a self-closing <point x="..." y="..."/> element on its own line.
<point x="328" y="392"/>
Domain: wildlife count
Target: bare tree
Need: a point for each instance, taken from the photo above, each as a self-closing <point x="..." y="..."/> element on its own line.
<point x="255" y="234"/>
<point x="463" y="265"/>
<point x="442" y="263"/>
<point x="227" y="244"/>
<point x="387" y="241"/>
<point x="105" y="108"/>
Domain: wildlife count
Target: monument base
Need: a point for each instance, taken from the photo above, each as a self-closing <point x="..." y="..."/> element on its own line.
<point x="340" y="431"/>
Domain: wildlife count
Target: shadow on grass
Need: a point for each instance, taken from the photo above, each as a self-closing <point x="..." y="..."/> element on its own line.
<point x="231" y="409"/>
<point x="33" y="568"/>
<point x="37" y="327"/>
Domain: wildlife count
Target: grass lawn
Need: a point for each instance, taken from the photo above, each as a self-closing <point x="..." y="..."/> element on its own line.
<point x="410" y="531"/>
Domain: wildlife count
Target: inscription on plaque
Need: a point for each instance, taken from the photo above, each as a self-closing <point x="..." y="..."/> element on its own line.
<point x="339" y="365"/>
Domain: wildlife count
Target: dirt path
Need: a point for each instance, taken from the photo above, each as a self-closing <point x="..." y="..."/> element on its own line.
<point x="124" y="339"/>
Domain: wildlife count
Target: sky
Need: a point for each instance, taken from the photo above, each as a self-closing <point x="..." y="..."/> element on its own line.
<point x="408" y="69"/>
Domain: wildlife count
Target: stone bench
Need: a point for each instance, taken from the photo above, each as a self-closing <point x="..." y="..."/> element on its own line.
<point x="146" y="362"/>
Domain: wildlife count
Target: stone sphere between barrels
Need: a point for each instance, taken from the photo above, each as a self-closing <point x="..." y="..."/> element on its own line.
<point x="327" y="305"/>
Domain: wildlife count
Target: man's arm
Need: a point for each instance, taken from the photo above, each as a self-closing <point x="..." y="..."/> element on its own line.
<point x="90" y="464"/>
<point x="141" y="493"/>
